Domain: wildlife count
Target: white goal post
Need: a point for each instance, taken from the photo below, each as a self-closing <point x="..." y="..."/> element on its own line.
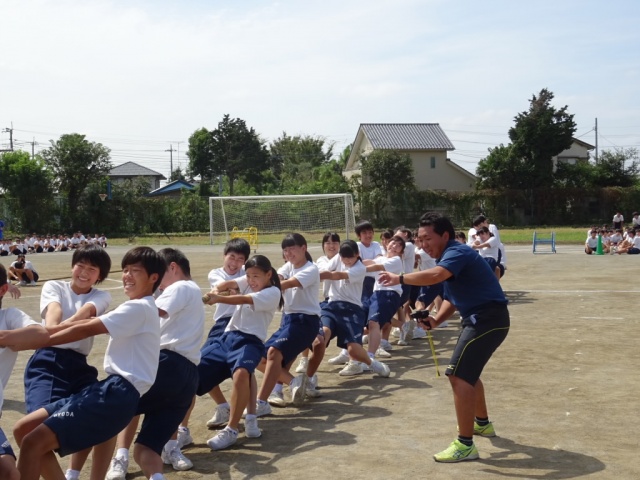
<point x="279" y="214"/>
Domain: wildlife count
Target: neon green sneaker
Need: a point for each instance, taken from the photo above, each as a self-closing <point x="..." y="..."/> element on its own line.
<point x="484" y="431"/>
<point x="457" y="452"/>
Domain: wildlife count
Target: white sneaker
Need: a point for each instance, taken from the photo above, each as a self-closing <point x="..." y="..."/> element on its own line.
<point x="176" y="459"/>
<point x="312" y="387"/>
<point x="220" y="417"/>
<point x="298" y="388"/>
<point x="262" y="409"/>
<point x="365" y="339"/>
<point x="419" y="333"/>
<point x="33" y="284"/>
<point x="184" y="437"/>
<point x="382" y="353"/>
<point x="22" y="283"/>
<point x="302" y="365"/>
<point x="277" y="399"/>
<point x="406" y="334"/>
<point x="443" y="324"/>
<point x="386" y="345"/>
<point x="365" y="368"/>
<point x="251" y="429"/>
<point x="380" y="368"/>
<point x="395" y="332"/>
<point x="225" y="438"/>
<point x="352" y="368"/>
<point x="339" y="360"/>
<point x="117" y="469"/>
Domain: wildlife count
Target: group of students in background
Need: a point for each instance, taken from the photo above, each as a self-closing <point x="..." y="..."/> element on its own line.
<point x="49" y="243"/>
<point x="156" y="362"/>
<point x="613" y="241"/>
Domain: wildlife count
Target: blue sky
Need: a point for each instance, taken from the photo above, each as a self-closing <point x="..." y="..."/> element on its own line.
<point x="139" y="76"/>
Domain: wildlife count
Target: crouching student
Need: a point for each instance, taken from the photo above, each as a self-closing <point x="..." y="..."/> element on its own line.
<point x="101" y="410"/>
<point x="17" y="332"/>
<point x="237" y="353"/>
<point x="165" y="404"/>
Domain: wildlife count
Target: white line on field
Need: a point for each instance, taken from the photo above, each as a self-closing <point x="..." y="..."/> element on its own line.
<point x="603" y="318"/>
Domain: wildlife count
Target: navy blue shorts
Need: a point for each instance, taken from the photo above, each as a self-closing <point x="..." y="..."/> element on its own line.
<point x="482" y="333"/>
<point x="5" y="446"/>
<point x="96" y="414"/>
<point x="429" y="293"/>
<point x="345" y="320"/>
<point x="367" y="290"/>
<point x="217" y="330"/>
<point x="296" y="333"/>
<point x="53" y="373"/>
<point x="227" y="353"/>
<point x="414" y="293"/>
<point x="384" y="305"/>
<point x="406" y="292"/>
<point x="166" y="403"/>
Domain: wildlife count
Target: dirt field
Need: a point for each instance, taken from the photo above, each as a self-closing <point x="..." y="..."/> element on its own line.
<point x="562" y="390"/>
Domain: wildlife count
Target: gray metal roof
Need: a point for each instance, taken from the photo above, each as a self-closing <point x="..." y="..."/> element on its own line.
<point x="407" y="136"/>
<point x="131" y="169"/>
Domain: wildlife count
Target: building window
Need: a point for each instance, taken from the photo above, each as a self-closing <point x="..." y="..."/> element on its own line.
<point x="433" y="162"/>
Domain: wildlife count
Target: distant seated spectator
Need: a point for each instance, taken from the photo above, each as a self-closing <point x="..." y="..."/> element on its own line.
<point x="18" y="247"/>
<point x="631" y="245"/>
<point x="616" y="237"/>
<point x="591" y="245"/>
<point x="5" y="248"/>
<point x="22" y="271"/>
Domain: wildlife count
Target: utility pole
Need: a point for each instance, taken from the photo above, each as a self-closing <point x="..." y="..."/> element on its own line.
<point x="10" y="130"/>
<point x="170" y="150"/>
<point x="33" y="145"/>
<point x="596" y="129"/>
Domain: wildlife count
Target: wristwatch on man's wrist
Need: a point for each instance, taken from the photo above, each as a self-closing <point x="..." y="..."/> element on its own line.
<point x="402" y="279"/>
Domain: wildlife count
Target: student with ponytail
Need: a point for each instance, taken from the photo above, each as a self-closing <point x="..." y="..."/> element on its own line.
<point x="239" y="350"/>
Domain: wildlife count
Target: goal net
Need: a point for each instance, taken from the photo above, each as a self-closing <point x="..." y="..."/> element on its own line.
<point x="277" y="215"/>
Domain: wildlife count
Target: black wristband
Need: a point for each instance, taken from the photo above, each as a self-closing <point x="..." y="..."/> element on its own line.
<point x="402" y="279"/>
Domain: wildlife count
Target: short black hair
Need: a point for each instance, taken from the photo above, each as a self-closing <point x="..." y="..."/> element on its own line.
<point x="172" y="255"/>
<point x="439" y="223"/>
<point x="238" y="245"/>
<point x="362" y="226"/>
<point x="296" y="240"/>
<point x="94" y="255"/>
<point x="478" y="220"/>
<point x="149" y="259"/>
<point x="349" y="249"/>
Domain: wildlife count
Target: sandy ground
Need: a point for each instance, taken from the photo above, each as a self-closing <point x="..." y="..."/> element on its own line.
<point x="562" y="390"/>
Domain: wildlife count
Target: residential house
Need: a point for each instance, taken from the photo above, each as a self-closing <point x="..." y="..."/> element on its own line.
<point x="576" y="153"/>
<point x="426" y="144"/>
<point x="172" y="189"/>
<point x="131" y="170"/>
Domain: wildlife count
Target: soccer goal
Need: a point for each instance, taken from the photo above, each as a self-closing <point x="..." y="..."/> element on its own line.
<point x="280" y="214"/>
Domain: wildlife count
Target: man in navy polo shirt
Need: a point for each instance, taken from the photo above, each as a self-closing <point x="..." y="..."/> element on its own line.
<point x="471" y="287"/>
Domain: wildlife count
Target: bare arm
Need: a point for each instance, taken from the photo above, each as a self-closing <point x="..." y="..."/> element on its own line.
<point x="334" y="275"/>
<point x="25" y="338"/>
<point x="68" y="332"/>
<point x="375" y="268"/>
<point x="426" y="277"/>
<point x="214" y="298"/>
<point x="292" y="282"/>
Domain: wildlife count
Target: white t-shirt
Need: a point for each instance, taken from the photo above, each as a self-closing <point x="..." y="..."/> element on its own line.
<point x="369" y="253"/>
<point x="409" y="257"/>
<point x="618" y="218"/>
<point x="10" y="319"/>
<point x="426" y="262"/>
<point x="348" y="289"/>
<point x="492" y="250"/>
<point x="592" y="242"/>
<point x="133" y="350"/>
<point x="217" y="276"/>
<point x="302" y="299"/>
<point x="636" y="241"/>
<point x="322" y="264"/>
<point x="181" y="331"/>
<point x="56" y="291"/>
<point x="391" y="265"/>
<point x="255" y="319"/>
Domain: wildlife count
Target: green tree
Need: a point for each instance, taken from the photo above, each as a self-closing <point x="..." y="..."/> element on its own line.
<point x="538" y="135"/>
<point x="617" y="168"/>
<point x="238" y="152"/>
<point x="200" y="155"/>
<point x="387" y="179"/>
<point x="500" y="170"/>
<point x="176" y="175"/>
<point x="28" y="181"/>
<point x="76" y="162"/>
